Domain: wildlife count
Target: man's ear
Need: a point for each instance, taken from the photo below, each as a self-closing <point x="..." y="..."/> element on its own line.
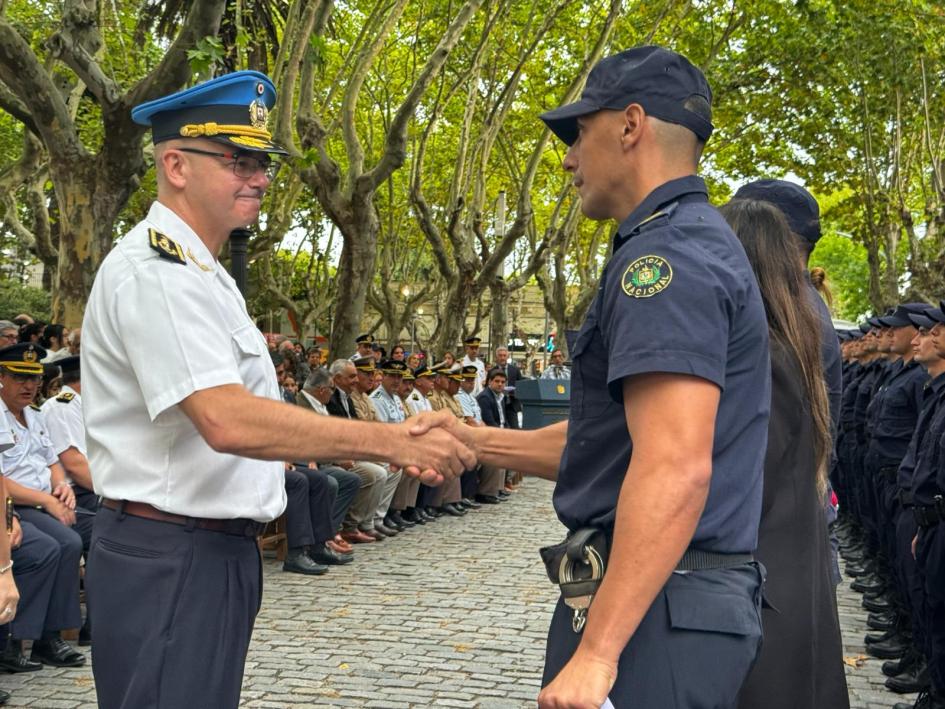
<point x="173" y="166"/>
<point x="633" y="119"/>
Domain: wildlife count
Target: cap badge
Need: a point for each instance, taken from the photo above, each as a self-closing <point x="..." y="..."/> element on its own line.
<point x="258" y="114"/>
<point x="647" y="276"/>
<point x="260" y="88"/>
<point x="29" y="355"/>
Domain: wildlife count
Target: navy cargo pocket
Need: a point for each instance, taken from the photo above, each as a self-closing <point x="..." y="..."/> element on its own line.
<point x="698" y="609"/>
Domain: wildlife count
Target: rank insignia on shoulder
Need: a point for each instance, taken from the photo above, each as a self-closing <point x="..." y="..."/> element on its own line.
<point x="35" y="407"/>
<point x="165" y="247"/>
<point x="65" y="397"/>
<point x="647" y="276"/>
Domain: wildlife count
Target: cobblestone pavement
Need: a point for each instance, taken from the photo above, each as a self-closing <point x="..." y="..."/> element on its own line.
<point x="450" y="615"/>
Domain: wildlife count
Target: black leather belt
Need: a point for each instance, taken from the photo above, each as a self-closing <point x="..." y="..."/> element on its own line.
<point x="930" y="515"/>
<point x="237" y="527"/>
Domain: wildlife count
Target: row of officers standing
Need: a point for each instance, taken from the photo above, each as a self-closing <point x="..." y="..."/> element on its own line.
<point x="890" y="476"/>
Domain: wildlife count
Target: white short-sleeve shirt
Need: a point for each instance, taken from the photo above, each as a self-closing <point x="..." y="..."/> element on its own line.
<point x="418" y="403"/>
<point x="63" y="415"/>
<point x="27" y="461"/>
<point x="389" y="408"/>
<point x="163" y="321"/>
<point x="480" y="373"/>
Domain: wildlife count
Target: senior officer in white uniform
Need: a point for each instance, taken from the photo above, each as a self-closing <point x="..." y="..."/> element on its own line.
<point x="180" y="398"/>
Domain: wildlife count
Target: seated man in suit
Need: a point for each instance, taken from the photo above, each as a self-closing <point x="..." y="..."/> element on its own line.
<point x="494" y="413"/>
<point x="358" y="525"/>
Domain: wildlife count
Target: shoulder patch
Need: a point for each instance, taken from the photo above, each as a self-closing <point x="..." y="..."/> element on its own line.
<point x="647" y="276"/>
<point x="65" y="397"/>
<point x="166" y="247"/>
<point x="35" y="407"/>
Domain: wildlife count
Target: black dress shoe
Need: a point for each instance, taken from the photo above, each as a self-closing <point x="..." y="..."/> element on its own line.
<point x="877" y="605"/>
<point x="453" y="510"/>
<point x="56" y="652"/>
<point x="434" y="512"/>
<point x="328" y="557"/>
<point x="400" y="521"/>
<point x="868" y="584"/>
<point x="881" y="621"/>
<point x="487" y="499"/>
<point x="925" y="700"/>
<point x="298" y="562"/>
<point x="413" y="516"/>
<point x="470" y="504"/>
<point x="889" y="650"/>
<point x="13" y="659"/>
<point x="906" y="663"/>
<point x="4" y="696"/>
<point x="385" y="530"/>
<point x="423" y="514"/>
<point x="873" y="639"/>
<point x="504" y="494"/>
<point x="909" y="682"/>
<point x="391" y="523"/>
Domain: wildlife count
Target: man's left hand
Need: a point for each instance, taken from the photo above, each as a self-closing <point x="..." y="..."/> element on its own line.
<point x="65" y="495"/>
<point x="584" y="683"/>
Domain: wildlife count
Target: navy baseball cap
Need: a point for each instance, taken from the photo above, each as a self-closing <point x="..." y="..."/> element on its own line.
<point x="658" y="79"/>
<point x="797" y="204"/>
<point x="232" y="109"/>
<point x="900" y="316"/>
<point x="921" y="320"/>
<point x="936" y="315"/>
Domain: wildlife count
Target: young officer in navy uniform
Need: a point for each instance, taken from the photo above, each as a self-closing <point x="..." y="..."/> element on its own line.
<point x="928" y="491"/>
<point x="182" y="409"/>
<point x="676" y="619"/>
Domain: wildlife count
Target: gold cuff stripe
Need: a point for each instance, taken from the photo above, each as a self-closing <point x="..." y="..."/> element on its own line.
<point x="196" y="130"/>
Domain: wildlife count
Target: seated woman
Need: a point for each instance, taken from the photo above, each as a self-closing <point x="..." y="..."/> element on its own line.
<point x="801" y="660"/>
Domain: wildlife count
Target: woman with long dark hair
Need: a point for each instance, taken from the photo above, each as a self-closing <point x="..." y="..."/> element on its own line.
<point x="801" y="661"/>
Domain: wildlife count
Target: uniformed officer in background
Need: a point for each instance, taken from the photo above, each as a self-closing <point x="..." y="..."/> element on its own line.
<point x="182" y="409"/>
<point x="677" y="616"/>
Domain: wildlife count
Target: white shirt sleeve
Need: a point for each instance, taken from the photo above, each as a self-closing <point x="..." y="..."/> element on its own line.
<point x="175" y="337"/>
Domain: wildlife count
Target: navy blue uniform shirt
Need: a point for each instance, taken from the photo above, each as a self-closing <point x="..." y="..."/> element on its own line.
<point x="894" y="412"/>
<point x="930" y="400"/>
<point x="679" y="296"/>
<point x="928" y="459"/>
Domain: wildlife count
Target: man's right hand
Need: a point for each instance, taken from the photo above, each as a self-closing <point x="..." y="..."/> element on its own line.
<point x="430" y="450"/>
<point x="59" y="511"/>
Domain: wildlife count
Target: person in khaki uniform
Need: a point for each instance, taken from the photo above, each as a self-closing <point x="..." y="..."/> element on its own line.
<point x="365" y="409"/>
<point x="446" y="383"/>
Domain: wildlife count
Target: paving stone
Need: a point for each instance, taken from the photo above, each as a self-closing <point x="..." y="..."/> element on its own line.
<point x="452" y="614"/>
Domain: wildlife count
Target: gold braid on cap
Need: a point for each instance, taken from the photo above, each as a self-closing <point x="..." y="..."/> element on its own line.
<point x="196" y="130"/>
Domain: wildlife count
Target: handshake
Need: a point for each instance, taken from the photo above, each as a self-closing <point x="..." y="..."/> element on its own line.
<point x="436" y="447"/>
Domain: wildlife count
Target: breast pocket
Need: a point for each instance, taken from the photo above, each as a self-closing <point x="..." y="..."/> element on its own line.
<point x="248" y="342"/>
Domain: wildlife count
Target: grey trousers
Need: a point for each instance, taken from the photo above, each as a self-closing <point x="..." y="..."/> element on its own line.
<point x="390" y="487"/>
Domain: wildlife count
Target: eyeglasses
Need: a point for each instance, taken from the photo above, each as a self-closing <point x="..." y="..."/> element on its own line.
<point x="12" y="336"/>
<point x="244" y="166"/>
<point x="20" y="378"/>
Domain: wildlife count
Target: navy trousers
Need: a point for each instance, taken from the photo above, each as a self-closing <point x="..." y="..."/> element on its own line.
<point x="693" y="648"/>
<point x="47" y="576"/>
<point x="317" y="502"/>
<point x="930" y="558"/>
<point x="173" y="609"/>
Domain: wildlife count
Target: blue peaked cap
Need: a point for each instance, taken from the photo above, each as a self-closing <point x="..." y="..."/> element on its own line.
<point x="232" y="109"/>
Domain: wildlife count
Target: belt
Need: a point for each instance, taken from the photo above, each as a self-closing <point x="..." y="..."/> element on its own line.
<point x="698" y="560"/>
<point x="906" y="499"/>
<point x="237" y="527"/>
<point x="930" y="515"/>
<point x="889" y="471"/>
